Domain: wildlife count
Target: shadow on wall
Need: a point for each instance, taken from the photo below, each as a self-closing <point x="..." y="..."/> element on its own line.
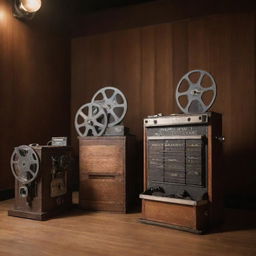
<point x="236" y="219"/>
<point x="239" y="190"/>
<point x="6" y="194"/>
<point x="239" y="177"/>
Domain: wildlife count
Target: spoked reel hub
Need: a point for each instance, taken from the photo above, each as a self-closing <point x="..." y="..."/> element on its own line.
<point x="194" y="93"/>
<point x="114" y="102"/>
<point x="24" y="164"/>
<point x="91" y="119"/>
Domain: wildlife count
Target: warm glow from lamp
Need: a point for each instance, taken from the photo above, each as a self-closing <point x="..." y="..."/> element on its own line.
<point x="2" y="14"/>
<point x="30" y="5"/>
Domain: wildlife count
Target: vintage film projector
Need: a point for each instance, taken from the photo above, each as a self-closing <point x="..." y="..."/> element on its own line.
<point x="182" y="160"/>
<point x="103" y="115"/>
<point x="107" y="154"/>
<point x="42" y="180"/>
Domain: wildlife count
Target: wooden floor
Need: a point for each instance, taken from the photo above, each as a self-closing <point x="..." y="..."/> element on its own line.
<point x="100" y="233"/>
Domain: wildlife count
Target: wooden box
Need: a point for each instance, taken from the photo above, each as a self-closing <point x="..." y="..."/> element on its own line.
<point x="180" y="214"/>
<point x="46" y="198"/>
<point x="108" y="173"/>
<point x="183" y="153"/>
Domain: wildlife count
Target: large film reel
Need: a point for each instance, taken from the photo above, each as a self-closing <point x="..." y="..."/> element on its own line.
<point x="91" y="119"/>
<point x="114" y="102"/>
<point x="195" y="92"/>
<point x="24" y="164"/>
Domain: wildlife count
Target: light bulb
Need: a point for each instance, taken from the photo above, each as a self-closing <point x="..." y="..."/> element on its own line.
<point x="30" y="5"/>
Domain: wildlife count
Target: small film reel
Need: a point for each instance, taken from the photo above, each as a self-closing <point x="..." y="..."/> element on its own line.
<point x="91" y="120"/>
<point x="24" y="164"/>
<point x="199" y="92"/>
<point x="114" y="102"/>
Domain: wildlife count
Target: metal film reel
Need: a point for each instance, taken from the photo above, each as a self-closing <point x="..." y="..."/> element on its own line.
<point x="91" y="119"/>
<point x="24" y="164"/>
<point x="195" y="103"/>
<point x="114" y="102"/>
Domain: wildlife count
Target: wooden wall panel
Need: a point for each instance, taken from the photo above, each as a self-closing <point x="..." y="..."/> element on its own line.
<point x="146" y="63"/>
<point x="224" y="45"/>
<point x="127" y="73"/>
<point x="34" y="86"/>
<point x="180" y="55"/>
<point x="148" y="59"/>
<point x="94" y="60"/>
<point x="163" y="69"/>
<point x="152" y="13"/>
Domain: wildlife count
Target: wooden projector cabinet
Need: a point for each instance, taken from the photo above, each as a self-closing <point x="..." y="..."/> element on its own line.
<point x="107" y="173"/>
<point x="183" y="171"/>
<point x="51" y="192"/>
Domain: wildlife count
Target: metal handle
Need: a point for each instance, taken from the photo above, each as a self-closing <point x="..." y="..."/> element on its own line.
<point x="102" y="176"/>
<point x="220" y="138"/>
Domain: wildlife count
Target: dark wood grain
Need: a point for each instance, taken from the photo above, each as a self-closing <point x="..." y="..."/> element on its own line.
<point x="153" y="12"/>
<point x="146" y="63"/>
<point x="108" y="234"/>
<point x="34" y="79"/>
<point x="163" y="69"/>
<point x="43" y="205"/>
<point x="127" y="73"/>
<point x="148" y="76"/>
<point x="192" y="218"/>
<point x="108" y="173"/>
<point x="195" y="218"/>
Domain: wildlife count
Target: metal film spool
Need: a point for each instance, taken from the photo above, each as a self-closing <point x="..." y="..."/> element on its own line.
<point x="114" y="102"/>
<point x="24" y="164"/>
<point x="91" y="119"/>
<point x="194" y="93"/>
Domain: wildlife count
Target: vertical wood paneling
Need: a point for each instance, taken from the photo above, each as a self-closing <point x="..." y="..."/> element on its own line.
<point x="148" y="58"/>
<point x="127" y="74"/>
<point x="147" y="63"/>
<point x="92" y="57"/>
<point x="34" y="87"/>
<point x="198" y="45"/>
<point x="180" y="56"/>
<point x="242" y="103"/>
<point x="6" y="93"/>
<point x="226" y="49"/>
<point x="163" y="69"/>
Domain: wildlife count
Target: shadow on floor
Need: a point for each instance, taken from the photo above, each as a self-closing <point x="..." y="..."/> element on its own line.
<point x="236" y="219"/>
<point x="76" y="211"/>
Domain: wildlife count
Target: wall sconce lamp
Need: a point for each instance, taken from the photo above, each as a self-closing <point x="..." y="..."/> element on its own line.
<point x="25" y="9"/>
